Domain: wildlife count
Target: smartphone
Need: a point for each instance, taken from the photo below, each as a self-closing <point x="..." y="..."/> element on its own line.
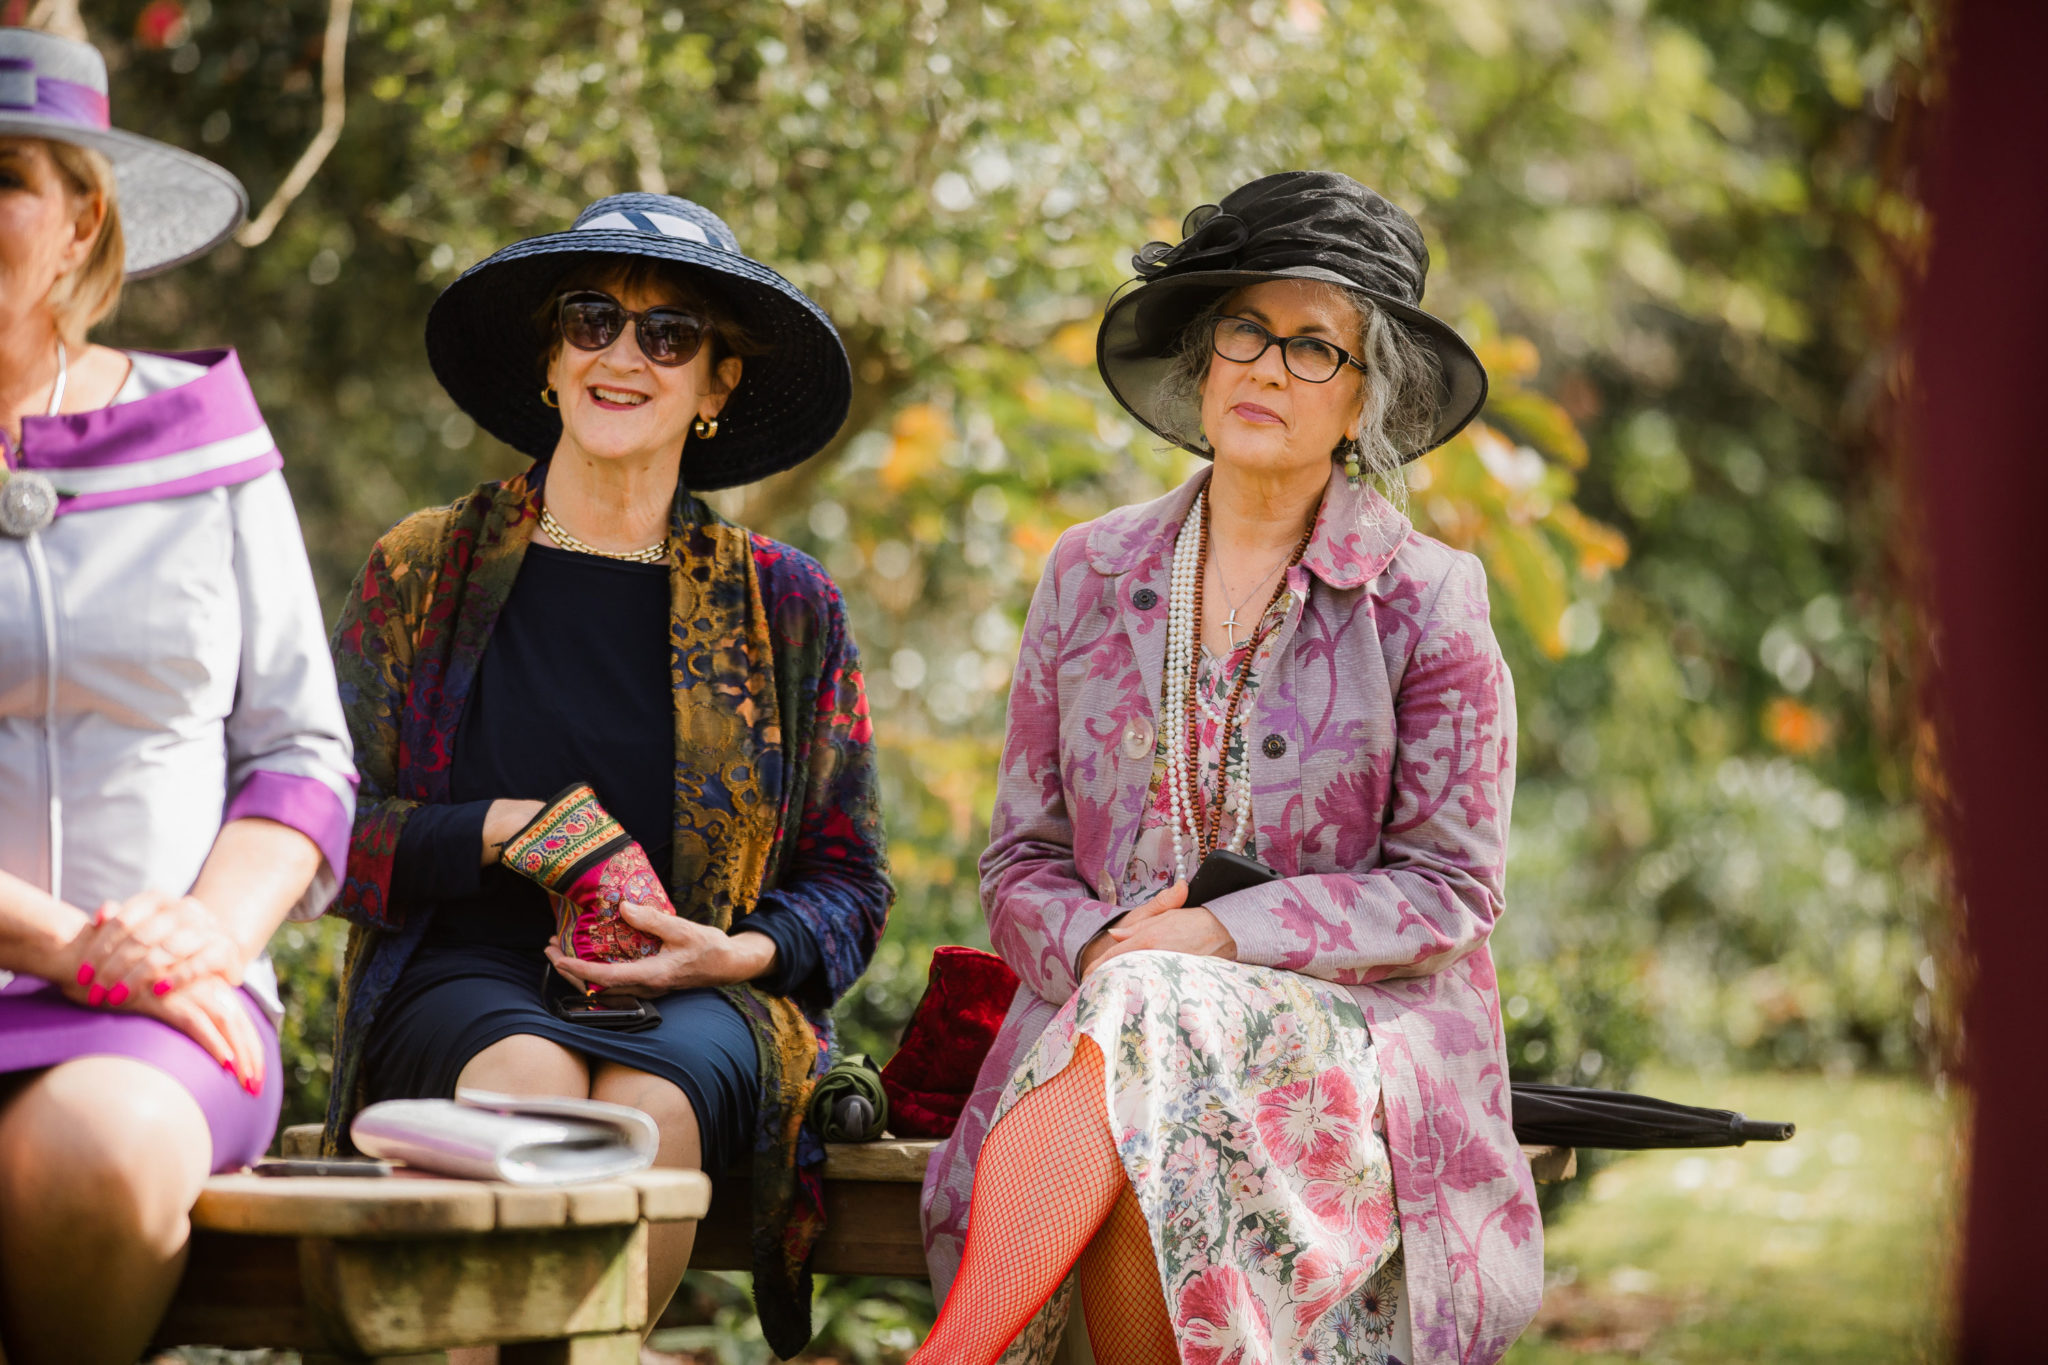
<point x="1223" y="872"/>
<point x="354" y="1166"/>
<point x="629" y="1014"/>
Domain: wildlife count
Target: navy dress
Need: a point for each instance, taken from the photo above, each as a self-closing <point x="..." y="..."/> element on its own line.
<point x="573" y="687"/>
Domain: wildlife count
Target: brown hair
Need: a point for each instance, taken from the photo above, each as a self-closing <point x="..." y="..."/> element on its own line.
<point x="615" y="274"/>
<point x="87" y="294"/>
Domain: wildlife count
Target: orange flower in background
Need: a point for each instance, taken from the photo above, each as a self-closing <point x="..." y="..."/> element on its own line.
<point x="918" y="438"/>
<point x="1796" y="727"/>
<point x="1075" y="342"/>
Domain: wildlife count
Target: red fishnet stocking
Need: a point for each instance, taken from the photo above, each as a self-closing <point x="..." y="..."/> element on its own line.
<point x="1127" y="1323"/>
<point x="1047" y="1178"/>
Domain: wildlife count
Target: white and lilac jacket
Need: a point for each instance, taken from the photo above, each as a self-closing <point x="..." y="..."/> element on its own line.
<point x="1382" y="768"/>
<point x="163" y="663"/>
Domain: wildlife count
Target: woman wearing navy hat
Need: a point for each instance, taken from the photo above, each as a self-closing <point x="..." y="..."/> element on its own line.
<point x="1261" y="1113"/>
<point x="174" y="771"/>
<point x="614" y="748"/>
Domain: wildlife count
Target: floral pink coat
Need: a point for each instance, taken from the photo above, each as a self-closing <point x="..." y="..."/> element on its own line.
<point x="1382" y="753"/>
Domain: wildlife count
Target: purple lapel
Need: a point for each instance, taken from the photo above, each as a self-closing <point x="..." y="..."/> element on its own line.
<point x="205" y="434"/>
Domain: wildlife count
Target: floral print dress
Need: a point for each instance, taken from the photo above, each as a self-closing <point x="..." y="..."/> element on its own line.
<point x="1245" y="1102"/>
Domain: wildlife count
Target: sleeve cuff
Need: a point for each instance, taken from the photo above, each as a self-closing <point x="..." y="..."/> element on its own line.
<point x="1252" y="918"/>
<point x="1088" y="920"/>
<point x="306" y="804"/>
<point x="439" y="853"/>
<point x="798" y="961"/>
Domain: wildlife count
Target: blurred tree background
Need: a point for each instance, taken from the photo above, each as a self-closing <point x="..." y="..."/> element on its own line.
<point x="1675" y="228"/>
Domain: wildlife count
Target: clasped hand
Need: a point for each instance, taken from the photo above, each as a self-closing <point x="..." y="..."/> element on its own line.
<point x="168" y="958"/>
<point x="691" y="954"/>
<point x="1164" y="923"/>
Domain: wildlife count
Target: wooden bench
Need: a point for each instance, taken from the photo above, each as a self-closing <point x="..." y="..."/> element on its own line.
<point x="871" y="1218"/>
<point x="871" y="1194"/>
<point x="401" y="1269"/>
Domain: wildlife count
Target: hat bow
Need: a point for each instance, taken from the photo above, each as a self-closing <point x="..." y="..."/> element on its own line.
<point x="1209" y="239"/>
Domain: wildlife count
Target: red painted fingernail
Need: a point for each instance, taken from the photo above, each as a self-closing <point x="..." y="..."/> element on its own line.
<point x="229" y="1067"/>
<point x="118" y="994"/>
<point x="96" y="995"/>
<point x="162" y="987"/>
<point x="251" y="1087"/>
<point x="85" y="973"/>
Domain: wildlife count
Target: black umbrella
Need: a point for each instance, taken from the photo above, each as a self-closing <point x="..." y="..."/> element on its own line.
<point x="1567" y="1116"/>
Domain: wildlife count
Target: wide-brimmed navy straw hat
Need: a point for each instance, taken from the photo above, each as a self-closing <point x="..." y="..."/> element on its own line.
<point x="791" y="400"/>
<point x="1294" y="225"/>
<point x="173" y="205"/>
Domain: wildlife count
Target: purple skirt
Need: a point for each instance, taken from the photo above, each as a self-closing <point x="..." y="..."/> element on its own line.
<point x="39" y="1028"/>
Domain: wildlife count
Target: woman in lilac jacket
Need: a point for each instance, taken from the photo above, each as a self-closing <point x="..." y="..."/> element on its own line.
<point x="174" y="771"/>
<point x="1306" y="1152"/>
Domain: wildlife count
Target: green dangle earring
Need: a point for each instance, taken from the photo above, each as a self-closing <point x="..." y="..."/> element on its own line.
<point x="1352" y="472"/>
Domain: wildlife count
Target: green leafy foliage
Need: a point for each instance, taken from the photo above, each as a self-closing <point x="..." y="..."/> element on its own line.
<point x="1669" y="225"/>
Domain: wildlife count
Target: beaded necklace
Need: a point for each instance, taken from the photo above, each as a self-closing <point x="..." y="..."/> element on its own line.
<point x="1183" y="669"/>
<point x="650" y="554"/>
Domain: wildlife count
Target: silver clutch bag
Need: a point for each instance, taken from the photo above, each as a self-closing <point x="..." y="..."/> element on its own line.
<point x="516" y="1139"/>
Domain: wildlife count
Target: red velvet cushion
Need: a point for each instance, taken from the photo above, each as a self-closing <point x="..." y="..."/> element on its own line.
<point x="932" y="1074"/>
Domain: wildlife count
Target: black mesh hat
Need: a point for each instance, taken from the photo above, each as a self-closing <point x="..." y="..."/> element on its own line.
<point x="1295" y="225"/>
<point x="790" y="401"/>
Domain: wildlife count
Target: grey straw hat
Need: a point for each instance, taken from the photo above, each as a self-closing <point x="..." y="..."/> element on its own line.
<point x="792" y="400"/>
<point x="1301" y="225"/>
<point x="174" y="205"/>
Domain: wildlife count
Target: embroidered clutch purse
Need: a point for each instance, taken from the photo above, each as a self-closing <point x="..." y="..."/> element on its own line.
<point x="587" y="863"/>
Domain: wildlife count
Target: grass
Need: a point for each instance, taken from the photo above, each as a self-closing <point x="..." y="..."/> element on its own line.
<point x="1829" y="1248"/>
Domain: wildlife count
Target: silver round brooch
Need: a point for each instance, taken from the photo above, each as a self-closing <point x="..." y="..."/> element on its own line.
<point x="28" y="503"/>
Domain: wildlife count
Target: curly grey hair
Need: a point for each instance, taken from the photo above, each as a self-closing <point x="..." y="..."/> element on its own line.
<point x="1400" y="401"/>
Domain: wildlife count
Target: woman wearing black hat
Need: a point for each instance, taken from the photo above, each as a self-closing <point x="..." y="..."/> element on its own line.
<point x="617" y="836"/>
<point x="1248" y="847"/>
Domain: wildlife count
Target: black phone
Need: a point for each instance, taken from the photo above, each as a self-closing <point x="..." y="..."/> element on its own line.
<point x="1223" y="872"/>
<point x="351" y="1166"/>
<point x="626" y="1013"/>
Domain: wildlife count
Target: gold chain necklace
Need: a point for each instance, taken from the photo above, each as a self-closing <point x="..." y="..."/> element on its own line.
<point x="652" y="554"/>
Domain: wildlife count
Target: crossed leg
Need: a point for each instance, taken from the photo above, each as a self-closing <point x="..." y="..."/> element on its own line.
<point x="527" y="1065"/>
<point x="1048" y="1183"/>
<point x="1120" y="1293"/>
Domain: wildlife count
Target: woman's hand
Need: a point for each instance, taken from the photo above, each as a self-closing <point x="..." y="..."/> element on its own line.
<point x="210" y="1012"/>
<point x="691" y="954"/>
<point x="153" y="943"/>
<point x="1163" y="923"/>
<point x="502" y="823"/>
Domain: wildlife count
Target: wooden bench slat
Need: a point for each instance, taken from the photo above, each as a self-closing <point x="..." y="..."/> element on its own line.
<point x="671" y="1196"/>
<point x="601" y="1204"/>
<point x="421" y="1206"/>
<point x="344" y="1206"/>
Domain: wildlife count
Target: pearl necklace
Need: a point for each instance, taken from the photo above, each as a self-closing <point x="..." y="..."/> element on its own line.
<point x="652" y="554"/>
<point x="1183" y="671"/>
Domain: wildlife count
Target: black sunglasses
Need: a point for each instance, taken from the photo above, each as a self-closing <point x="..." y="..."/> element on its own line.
<point x="592" y="320"/>
<point x="1309" y="359"/>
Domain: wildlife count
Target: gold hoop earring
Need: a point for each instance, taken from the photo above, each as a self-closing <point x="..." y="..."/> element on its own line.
<point x="705" y="428"/>
<point x="547" y="395"/>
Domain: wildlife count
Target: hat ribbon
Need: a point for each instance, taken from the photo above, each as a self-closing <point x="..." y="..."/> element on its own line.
<point x="21" y="90"/>
<point x="1209" y="237"/>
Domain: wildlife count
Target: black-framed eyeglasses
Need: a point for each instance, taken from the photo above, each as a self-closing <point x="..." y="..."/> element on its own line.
<point x="592" y="320"/>
<point x="1309" y="359"/>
